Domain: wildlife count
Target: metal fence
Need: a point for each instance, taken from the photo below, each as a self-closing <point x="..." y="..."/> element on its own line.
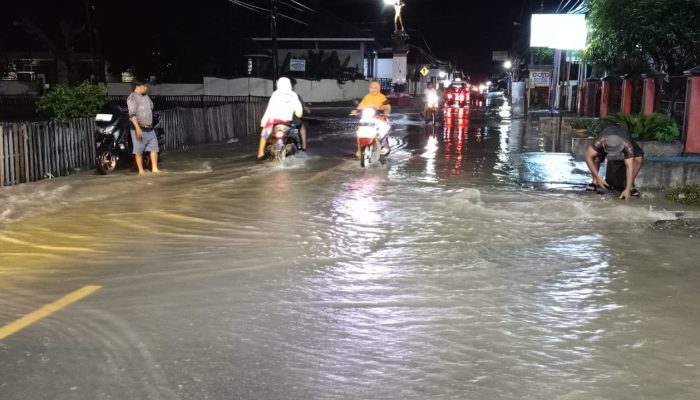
<point x="32" y="151"/>
<point x="673" y="97"/>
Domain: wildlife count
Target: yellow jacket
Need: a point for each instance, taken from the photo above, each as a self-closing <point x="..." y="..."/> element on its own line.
<point x="374" y="101"/>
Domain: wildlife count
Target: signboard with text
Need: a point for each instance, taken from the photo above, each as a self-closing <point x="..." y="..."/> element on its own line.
<point x="540" y="78"/>
<point x="297" y="65"/>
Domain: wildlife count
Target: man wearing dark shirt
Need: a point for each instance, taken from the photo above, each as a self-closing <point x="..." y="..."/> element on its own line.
<point x="615" y="143"/>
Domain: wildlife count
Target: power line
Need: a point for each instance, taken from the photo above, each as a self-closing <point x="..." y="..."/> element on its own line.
<point x="264" y="10"/>
<point x="565" y="5"/>
<point x="303" y="6"/>
<point x="249" y="6"/>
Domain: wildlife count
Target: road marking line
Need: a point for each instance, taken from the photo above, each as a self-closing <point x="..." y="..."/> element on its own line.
<point x="46" y="310"/>
<point x="323" y="173"/>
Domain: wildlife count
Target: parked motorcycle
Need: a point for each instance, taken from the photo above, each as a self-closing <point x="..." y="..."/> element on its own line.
<point x="282" y="142"/>
<point x="373" y="138"/>
<point x="113" y="144"/>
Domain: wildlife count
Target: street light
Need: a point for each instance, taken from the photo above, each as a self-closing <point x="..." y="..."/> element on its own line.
<point x="508" y="65"/>
<point x="389" y="2"/>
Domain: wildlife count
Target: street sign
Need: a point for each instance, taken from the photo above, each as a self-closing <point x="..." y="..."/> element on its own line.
<point x="297" y="65"/>
<point x="424" y="71"/>
<point x="250" y="66"/>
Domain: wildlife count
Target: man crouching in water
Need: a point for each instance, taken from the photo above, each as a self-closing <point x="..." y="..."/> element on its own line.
<point x="614" y="143"/>
<point x="284" y="104"/>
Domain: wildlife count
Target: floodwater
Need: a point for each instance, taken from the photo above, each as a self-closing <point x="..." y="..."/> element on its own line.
<point x="470" y="266"/>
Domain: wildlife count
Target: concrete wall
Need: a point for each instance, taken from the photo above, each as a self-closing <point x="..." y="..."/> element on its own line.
<point x="323" y="91"/>
<point x="163" y="89"/>
<point x="666" y="174"/>
<point x="19" y="87"/>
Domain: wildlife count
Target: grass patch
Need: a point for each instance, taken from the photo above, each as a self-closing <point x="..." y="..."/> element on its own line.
<point x="689" y="195"/>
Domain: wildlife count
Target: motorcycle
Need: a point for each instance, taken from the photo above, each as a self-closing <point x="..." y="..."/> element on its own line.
<point x="432" y="108"/>
<point x="282" y="142"/>
<point x="113" y="138"/>
<point x="372" y="136"/>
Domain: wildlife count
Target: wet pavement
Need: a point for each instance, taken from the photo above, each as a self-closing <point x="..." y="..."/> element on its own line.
<point x="472" y="265"/>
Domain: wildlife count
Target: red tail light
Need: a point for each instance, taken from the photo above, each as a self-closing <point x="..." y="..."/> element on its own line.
<point x="279" y="134"/>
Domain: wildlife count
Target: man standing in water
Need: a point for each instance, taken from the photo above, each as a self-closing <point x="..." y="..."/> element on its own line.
<point x="143" y="136"/>
<point x="614" y="143"/>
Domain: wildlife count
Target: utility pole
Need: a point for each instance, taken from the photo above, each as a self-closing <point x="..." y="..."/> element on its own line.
<point x="95" y="43"/>
<point x="273" y="35"/>
<point x="93" y="47"/>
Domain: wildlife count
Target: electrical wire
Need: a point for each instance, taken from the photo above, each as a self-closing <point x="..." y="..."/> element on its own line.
<point x="580" y="8"/>
<point x="264" y="10"/>
<point x="303" y="6"/>
<point x="562" y="8"/>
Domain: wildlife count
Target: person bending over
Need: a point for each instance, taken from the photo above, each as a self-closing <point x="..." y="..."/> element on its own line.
<point x="614" y="143"/>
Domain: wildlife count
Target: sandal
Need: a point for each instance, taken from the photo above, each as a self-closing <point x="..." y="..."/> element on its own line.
<point x="591" y="187"/>
<point x="635" y="193"/>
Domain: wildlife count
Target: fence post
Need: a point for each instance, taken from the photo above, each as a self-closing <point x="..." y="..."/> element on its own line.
<point x="25" y="142"/>
<point x="691" y="134"/>
<point x="606" y="96"/>
<point x="2" y="157"/>
<point x="651" y="98"/>
<point x="591" y="102"/>
<point x="626" y="100"/>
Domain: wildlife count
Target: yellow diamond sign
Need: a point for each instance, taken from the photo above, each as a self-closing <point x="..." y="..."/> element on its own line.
<point x="424" y="71"/>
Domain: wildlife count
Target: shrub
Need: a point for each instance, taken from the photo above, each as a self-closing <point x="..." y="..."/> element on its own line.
<point x="657" y="126"/>
<point x="64" y="102"/>
<point x="689" y="194"/>
<point x="592" y="125"/>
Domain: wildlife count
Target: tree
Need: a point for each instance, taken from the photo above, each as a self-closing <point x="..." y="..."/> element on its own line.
<point x="634" y="36"/>
<point x="63" y="52"/>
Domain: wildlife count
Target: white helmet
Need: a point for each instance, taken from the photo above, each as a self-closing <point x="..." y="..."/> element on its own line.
<point x="284" y="84"/>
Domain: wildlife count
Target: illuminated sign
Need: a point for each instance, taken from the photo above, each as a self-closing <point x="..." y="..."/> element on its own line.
<point x="558" y="31"/>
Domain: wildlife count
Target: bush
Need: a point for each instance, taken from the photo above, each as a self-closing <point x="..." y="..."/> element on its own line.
<point x="657" y="126"/>
<point x="592" y="125"/>
<point x="689" y="194"/>
<point x="64" y="102"/>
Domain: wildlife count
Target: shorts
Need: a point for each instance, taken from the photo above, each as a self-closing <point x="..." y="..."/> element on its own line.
<point x="298" y="122"/>
<point x="638" y="152"/>
<point x="148" y="143"/>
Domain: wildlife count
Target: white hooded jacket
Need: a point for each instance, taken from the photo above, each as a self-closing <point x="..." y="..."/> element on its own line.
<point x="284" y="103"/>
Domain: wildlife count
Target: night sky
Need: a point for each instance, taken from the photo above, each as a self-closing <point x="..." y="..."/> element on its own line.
<point x="204" y="37"/>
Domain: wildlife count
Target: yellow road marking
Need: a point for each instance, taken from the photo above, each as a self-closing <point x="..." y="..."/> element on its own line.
<point x="323" y="173"/>
<point x="45" y="311"/>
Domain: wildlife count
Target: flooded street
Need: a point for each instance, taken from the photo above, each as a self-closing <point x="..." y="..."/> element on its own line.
<point x="471" y="266"/>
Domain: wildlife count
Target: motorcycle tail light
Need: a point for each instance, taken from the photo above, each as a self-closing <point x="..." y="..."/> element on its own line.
<point x="279" y="134"/>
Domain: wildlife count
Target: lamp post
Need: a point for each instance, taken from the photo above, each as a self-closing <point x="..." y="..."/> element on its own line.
<point x="508" y="65"/>
<point x="273" y="35"/>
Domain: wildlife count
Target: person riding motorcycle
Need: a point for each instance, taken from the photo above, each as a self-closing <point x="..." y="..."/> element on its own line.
<point x="429" y="92"/>
<point x="374" y="99"/>
<point x="284" y="104"/>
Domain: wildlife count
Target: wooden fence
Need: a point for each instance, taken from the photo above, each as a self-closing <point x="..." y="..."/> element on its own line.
<point x="33" y="151"/>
